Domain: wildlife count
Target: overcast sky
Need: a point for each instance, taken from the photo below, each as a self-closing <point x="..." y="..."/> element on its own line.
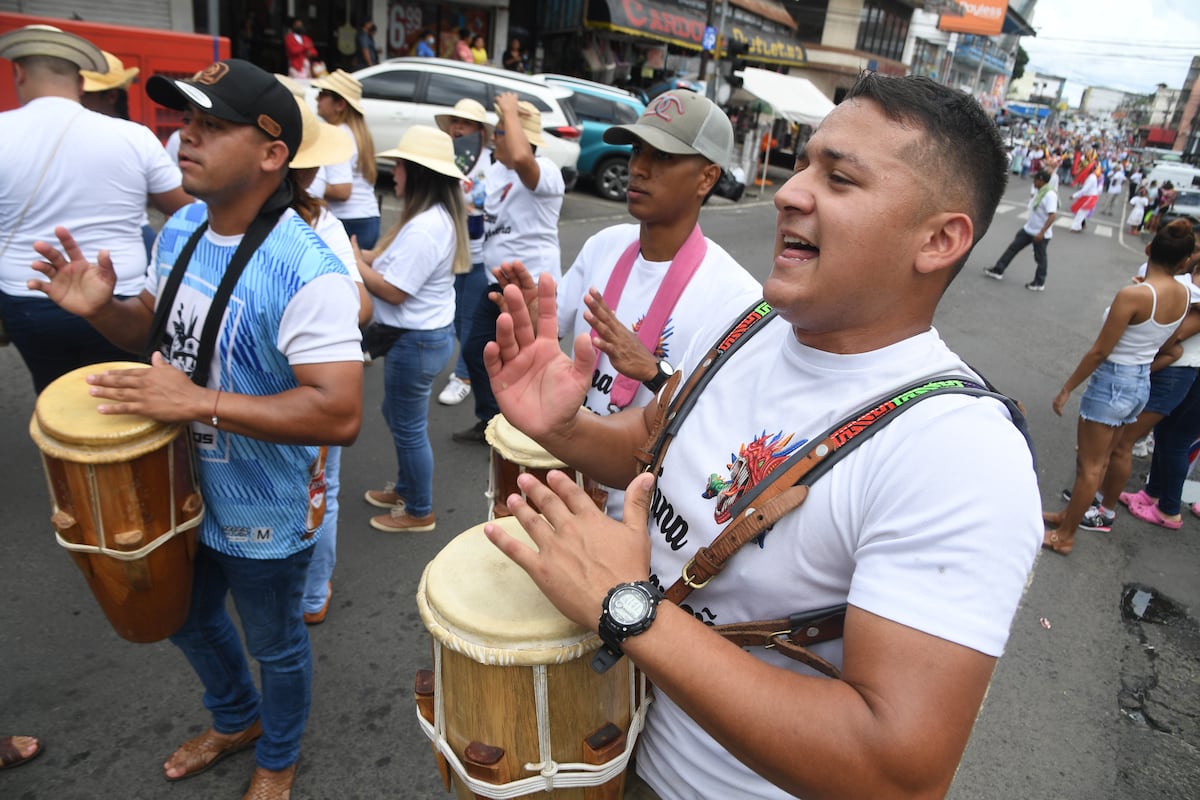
<point x="1132" y="45"/>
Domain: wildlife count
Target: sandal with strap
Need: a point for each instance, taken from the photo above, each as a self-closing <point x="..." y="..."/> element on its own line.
<point x="271" y="784"/>
<point x="10" y="752"/>
<point x="1051" y="541"/>
<point x="210" y="748"/>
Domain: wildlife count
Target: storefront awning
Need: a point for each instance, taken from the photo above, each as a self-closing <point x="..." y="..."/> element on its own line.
<point x="685" y="28"/>
<point x="795" y="99"/>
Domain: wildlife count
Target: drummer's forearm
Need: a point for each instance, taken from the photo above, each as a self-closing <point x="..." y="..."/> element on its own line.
<point x="325" y="411"/>
<point x="124" y="321"/>
<point x="603" y="447"/>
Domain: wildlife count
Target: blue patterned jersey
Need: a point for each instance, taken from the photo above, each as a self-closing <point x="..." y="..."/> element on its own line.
<point x="294" y="304"/>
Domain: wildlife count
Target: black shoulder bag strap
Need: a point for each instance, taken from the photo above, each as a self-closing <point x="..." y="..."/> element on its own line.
<point x="255" y="235"/>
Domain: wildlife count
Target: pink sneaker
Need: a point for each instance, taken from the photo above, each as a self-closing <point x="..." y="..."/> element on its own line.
<point x="1195" y="507"/>
<point x="1152" y="515"/>
<point x="1138" y="498"/>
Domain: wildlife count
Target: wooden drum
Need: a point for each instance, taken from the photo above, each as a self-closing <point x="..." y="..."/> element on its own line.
<point x="125" y="504"/>
<point x="512" y="706"/>
<point x="514" y="453"/>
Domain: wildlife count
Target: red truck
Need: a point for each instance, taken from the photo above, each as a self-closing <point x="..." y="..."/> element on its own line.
<point x="154" y="52"/>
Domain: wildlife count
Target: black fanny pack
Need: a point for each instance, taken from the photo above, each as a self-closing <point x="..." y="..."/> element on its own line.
<point x="378" y="338"/>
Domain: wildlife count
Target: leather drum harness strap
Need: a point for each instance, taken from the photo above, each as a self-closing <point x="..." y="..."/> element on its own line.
<point x="786" y="487"/>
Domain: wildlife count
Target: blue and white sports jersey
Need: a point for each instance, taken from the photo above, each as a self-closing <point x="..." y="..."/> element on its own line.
<point x="294" y="304"/>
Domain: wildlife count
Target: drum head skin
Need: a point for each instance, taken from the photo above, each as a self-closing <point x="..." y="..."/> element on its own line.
<point x="477" y="602"/>
<point x="514" y="446"/>
<point x="66" y="424"/>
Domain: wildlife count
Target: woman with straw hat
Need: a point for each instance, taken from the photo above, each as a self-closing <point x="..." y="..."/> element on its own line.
<point x="471" y="129"/>
<point x="411" y="276"/>
<point x="321" y="144"/>
<point x="340" y="103"/>
<point x="108" y="92"/>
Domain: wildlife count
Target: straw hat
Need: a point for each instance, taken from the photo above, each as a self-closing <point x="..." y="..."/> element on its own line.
<point x="344" y="85"/>
<point x="428" y="147"/>
<point x="291" y="84"/>
<point x="531" y="122"/>
<point x="321" y="144"/>
<point x="46" y="40"/>
<point x="117" y="76"/>
<point x="467" y="109"/>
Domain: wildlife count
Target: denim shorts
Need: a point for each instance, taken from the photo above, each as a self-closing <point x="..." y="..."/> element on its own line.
<point x="1116" y="394"/>
<point x="1168" y="387"/>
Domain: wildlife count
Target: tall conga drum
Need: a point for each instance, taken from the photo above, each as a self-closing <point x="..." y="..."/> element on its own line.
<point x="514" y="453"/>
<point x="125" y="504"/>
<point x="512" y="706"/>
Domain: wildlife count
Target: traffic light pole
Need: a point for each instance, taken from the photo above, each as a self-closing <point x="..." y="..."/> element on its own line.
<point x="706" y="56"/>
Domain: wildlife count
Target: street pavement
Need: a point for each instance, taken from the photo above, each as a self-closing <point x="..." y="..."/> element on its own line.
<point x="1087" y="702"/>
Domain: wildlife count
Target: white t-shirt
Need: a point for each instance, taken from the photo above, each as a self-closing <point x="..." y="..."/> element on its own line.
<point x="172" y="146"/>
<point x="361" y="203"/>
<point x="522" y="225"/>
<point x="1116" y="182"/>
<point x="719" y="283"/>
<point x="477" y="177"/>
<point x="334" y="235"/>
<point x="98" y="176"/>
<point x="419" y="262"/>
<point x="934" y="522"/>
<point x="1040" y="212"/>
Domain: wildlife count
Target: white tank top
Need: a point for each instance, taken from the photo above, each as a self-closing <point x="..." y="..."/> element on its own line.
<point x="1140" y="342"/>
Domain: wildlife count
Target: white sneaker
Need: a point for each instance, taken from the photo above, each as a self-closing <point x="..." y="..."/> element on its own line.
<point x="455" y="392"/>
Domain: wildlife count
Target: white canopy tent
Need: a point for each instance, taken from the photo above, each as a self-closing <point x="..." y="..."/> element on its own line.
<point x="794" y="99"/>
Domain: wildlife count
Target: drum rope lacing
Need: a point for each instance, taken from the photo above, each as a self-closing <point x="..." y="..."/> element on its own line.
<point x="551" y="774"/>
<point x="126" y="555"/>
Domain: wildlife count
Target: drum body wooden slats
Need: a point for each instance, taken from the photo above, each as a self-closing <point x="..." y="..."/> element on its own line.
<point x="513" y="677"/>
<point x="514" y="453"/>
<point x="126" y="504"/>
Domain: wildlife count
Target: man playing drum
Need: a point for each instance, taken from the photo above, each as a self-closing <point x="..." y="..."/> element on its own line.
<point x="927" y="531"/>
<point x="285" y="369"/>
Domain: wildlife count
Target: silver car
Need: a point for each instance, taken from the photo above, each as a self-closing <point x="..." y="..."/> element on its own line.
<point x="410" y="91"/>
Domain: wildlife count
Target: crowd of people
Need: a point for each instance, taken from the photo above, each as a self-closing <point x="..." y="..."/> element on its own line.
<point x="273" y="229"/>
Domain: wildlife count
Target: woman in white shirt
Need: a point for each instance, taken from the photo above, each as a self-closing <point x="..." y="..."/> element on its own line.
<point x="411" y="276"/>
<point x="340" y="103"/>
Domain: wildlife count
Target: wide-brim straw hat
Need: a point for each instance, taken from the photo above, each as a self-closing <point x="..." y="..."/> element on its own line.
<point x="46" y="40"/>
<point x="429" y="147"/>
<point x="117" y="77"/>
<point x="344" y="85"/>
<point x="531" y="122"/>
<point x="321" y="144"/>
<point x="468" y="109"/>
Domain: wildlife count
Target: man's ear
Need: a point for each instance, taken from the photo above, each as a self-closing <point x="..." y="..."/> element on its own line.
<point x="949" y="238"/>
<point x="276" y="156"/>
<point x="710" y="173"/>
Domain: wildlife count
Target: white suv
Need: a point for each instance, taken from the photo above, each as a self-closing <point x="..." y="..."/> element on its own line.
<point x="409" y="91"/>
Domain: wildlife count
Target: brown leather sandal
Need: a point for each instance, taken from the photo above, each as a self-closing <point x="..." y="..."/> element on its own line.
<point x="271" y="785"/>
<point x="10" y="751"/>
<point x="210" y="748"/>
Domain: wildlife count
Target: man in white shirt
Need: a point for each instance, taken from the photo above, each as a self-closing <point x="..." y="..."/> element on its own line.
<point x="908" y="530"/>
<point x="1038" y="230"/>
<point x="1115" y="192"/>
<point x="45" y="146"/>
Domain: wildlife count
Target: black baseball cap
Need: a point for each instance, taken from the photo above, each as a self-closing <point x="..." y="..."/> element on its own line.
<point x="237" y="91"/>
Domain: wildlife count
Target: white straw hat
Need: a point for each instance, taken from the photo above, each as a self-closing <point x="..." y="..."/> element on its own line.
<point x="117" y="76"/>
<point x="344" y="85"/>
<point x="468" y="109"/>
<point x="46" y="40"/>
<point x="429" y="147"/>
<point x="531" y="122"/>
<point x="321" y="144"/>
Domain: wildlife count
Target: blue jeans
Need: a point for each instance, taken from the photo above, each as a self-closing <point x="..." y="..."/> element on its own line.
<point x="53" y="341"/>
<point x="365" y="228"/>
<point x="1173" y="437"/>
<point x="1168" y="387"/>
<point x="410" y="367"/>
<point x="266" y="593"/>
<point x="320" y="570"/>
<point x="483" y="330"/>
<point x="467" y="289"/>
<point x="1022" y="240"/>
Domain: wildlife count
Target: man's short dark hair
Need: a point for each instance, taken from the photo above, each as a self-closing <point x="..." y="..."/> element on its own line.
<point x="964" y="148"/>
<point x="1042" y="175"/>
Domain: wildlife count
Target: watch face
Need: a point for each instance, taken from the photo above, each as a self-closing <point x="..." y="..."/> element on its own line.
<point x="629" y="605"/>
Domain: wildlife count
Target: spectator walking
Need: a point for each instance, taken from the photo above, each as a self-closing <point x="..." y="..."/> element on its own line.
<point x="1114" y="192"/>
<point x="1037" y="231"/>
